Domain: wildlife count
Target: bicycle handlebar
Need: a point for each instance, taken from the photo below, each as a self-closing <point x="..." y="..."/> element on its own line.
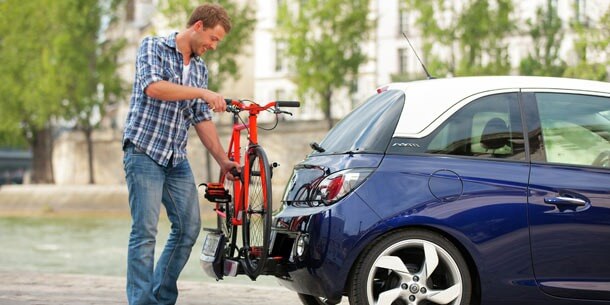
<point x="293" y="104"/>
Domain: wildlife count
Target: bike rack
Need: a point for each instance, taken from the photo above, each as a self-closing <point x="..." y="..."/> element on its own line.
<point x="216" y="265"/>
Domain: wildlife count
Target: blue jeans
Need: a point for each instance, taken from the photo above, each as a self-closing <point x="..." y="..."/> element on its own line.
<point x="151" y="184"/>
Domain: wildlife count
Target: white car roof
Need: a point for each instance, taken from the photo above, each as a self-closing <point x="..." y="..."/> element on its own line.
<point x="429" y="102"/>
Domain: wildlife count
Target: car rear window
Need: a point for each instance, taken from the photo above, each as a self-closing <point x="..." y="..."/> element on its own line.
<point x="369" y="128"/>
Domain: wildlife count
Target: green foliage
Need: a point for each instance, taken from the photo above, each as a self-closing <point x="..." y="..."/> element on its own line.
<point x="407" y="77"/>
<point x="479" y="29"/>
<point x="603" y="38"/>
<point x="54" y="66"/>
<point x="29" y="69"/>
<point x="88" y="63"/>
<point x="436" y="36"/>
<point x="221" y="62"/>
<point x="546" y="34"/>
<point x="11" y="136"/>
<point x="590" y="41"/>
<point x="324" y="43"/>
<point x="593" y="71"/>
<point x="482" y="33"/>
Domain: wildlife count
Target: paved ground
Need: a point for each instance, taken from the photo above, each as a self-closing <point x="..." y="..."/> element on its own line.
<point x="29" y="288"/>
<point x="23" y="288"/>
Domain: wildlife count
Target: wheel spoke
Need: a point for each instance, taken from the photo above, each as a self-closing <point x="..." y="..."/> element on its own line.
<point x="414" y="267"/>
<point x="393" y="263"/>
<point x="431" y="260"/>
<point x="387" y="297"/>
<point x="445" y="296"/>
<point x="257" y="217"/>
<point x="256" y="205"/>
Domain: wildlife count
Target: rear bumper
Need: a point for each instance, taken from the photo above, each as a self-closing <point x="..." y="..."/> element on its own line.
<point x="319" y="245"/>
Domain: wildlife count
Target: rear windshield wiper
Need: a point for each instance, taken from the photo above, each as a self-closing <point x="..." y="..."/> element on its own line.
<point x="315" y="146"/>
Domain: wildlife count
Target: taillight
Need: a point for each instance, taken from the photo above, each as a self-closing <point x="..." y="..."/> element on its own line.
<point x="339" y="184"/>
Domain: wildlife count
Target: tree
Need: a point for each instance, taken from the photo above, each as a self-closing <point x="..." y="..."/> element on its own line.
<point x="480" y="28"/>
<point x="222" y="63"/>
<point x="482" y="32"/>
<point x="603" y="38"/>
<point x="89" y="66"/>
<point x="436" y="35"/>
<point x="589" y="41"/>
<point x="28" y="76"/>
<point x="324" y="41"/>
<point x="54" y="67"/>
<point x="546" y="33"/>
<point x="603" y="35"/>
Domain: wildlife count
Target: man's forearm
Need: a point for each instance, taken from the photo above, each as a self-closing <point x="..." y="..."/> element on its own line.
<point x="170" y="92"/>
<point x="208" y="135"/>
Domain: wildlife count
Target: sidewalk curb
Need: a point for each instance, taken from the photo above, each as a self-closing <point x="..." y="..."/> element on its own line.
<point x="64" y="198"/>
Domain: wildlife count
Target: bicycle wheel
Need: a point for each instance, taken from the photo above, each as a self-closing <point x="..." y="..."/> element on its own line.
<point x="257" y="216"/>
<point x="224" y="223"/>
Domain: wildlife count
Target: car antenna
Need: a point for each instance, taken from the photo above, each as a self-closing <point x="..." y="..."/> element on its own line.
<point x="422" y="63"/>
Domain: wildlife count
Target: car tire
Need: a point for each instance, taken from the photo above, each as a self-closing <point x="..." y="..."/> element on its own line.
<point x="394" y="270"/>
<point x="312" y="300"/>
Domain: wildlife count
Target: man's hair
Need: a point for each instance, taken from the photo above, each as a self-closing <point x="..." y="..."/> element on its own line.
<point x="211" y="15"/>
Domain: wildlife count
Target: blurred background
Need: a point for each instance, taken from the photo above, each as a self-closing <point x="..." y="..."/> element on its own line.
<point x="67" y="67"/>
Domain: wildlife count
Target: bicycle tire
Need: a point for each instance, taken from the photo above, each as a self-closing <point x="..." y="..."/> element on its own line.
<point x="257" y="216"/>
<point x="225" y="224"/>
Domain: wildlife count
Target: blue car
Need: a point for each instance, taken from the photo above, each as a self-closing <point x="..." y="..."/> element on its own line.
<point x="476" y="190"/>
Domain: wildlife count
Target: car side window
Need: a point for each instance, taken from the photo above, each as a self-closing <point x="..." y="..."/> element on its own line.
<point x="575" y="128"/>
<point x="489" y="127"/>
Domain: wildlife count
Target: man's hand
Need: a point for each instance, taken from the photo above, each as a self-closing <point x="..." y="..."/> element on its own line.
<point x="226" y="167"/>
<point x="215" y="101"/>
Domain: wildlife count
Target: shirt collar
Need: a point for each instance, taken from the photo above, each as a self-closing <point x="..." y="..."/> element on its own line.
<point x="170" y="41"/>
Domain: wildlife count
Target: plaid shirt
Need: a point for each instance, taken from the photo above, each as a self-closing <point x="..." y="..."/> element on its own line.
<point x="160" y="128"/>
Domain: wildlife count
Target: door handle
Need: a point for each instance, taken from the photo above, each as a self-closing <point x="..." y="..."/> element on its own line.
<point x="561" y="200"/>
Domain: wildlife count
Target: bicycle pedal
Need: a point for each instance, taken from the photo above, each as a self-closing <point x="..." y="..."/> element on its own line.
<point x="216" y="192"/>
<point x="256" y="251"/>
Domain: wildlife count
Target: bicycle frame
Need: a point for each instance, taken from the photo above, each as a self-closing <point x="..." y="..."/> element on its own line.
<point x="240" y="193"/>
<point x="217" y="256"/>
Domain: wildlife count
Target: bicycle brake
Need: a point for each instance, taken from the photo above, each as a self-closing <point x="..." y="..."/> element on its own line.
<point x="278" y="111"/>
<point x="216" y="192"/>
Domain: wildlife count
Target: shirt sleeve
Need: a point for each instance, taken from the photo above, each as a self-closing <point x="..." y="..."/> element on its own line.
<point x="200" y="108"/>
<point x="201" y="112"/>
<point x="149" y="68"/>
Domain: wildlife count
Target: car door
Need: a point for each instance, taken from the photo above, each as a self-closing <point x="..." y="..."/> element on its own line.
<point x="569" y="192"/>
<point x="475" y="165"/>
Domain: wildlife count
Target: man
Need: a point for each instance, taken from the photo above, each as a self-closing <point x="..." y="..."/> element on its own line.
<point x="169" y="95"/>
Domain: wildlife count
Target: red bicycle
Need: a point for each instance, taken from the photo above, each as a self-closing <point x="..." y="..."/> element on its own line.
<point x="246" y="202"/>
